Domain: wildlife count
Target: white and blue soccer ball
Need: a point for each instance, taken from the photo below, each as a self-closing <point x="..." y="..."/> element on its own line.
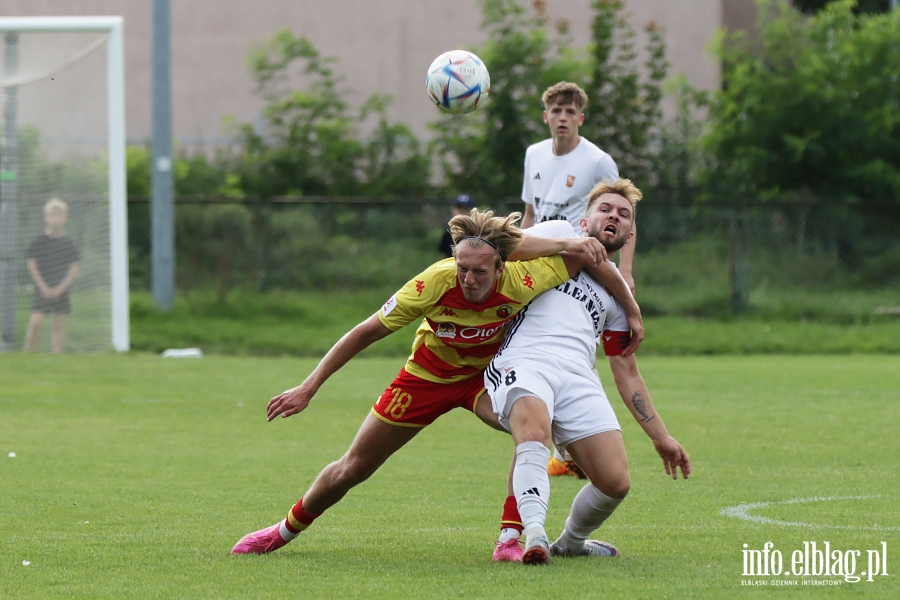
<point x="458" y="81"/>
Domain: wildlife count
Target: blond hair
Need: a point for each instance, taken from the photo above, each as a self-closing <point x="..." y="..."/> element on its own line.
<point x="55" y="205"/>
<point x="565" y="93"/>
<point x="620" y="186"/>
<point x="483" y="228"/>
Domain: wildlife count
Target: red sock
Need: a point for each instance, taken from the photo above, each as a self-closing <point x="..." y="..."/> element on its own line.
<point x="511" y="518"/>
<point x="298" y="519"/>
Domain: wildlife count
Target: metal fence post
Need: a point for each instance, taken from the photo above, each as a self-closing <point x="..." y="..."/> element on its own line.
<point x="739" y="262"/>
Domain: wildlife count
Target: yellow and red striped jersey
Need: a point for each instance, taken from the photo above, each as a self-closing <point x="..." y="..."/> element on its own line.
<point x="458" y="338"/>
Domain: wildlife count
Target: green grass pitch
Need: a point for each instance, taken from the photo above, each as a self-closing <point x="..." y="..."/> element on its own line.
<point x="133" y="476"/>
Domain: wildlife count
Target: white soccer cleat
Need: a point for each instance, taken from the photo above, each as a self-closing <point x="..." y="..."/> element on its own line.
<point x="537" y="551"/>
<point x="590" y="548"/>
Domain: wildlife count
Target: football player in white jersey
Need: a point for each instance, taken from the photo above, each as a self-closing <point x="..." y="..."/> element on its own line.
<point x="545" y="390"/>
<point x="561" y="171"/>
<point x="559" y="174"/>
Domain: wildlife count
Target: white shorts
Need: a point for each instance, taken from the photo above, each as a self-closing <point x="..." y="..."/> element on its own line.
<point x="575" y="399"/>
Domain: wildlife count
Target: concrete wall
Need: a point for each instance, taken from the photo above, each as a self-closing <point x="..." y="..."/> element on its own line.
<point x="382" y="45"/>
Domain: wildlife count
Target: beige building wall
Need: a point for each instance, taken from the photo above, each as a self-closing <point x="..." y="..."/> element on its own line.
<point x="382" y="45"/>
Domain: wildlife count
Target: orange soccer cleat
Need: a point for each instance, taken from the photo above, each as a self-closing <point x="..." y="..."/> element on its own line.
<point x="556" y="467"/>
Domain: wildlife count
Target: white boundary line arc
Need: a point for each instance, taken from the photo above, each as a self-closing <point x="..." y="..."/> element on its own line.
<point x="742" y="511"/>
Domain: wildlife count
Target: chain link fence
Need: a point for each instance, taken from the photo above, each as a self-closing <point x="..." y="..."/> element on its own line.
<point x="702" y="259"/>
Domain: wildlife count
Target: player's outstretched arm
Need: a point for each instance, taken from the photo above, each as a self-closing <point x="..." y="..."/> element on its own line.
<point x="294" y="400"/>
<point x="533" y="246"/>
<point x="634" y="393"/>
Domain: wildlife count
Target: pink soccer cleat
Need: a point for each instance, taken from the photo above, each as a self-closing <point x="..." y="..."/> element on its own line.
<point x="510" y="551"/>
<point x="260" y="542"/>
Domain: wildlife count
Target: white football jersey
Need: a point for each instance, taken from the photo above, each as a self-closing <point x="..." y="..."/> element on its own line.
<point x="558" y="186"/>
<point x="567" y="319"/>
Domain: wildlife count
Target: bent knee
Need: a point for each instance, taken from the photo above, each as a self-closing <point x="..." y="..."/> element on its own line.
<point x="534" y="433"/>
<point x="616" y="487"/>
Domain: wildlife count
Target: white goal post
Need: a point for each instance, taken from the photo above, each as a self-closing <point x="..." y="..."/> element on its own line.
<point x="112" y="27"/>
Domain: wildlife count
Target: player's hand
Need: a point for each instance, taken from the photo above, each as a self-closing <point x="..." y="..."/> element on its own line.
<point x="673" y="456"/>
<point x="636" y="324"/>
<point x="289" y="402"/>
<point x="589" y="246"/>
<point x="52" y="294"/>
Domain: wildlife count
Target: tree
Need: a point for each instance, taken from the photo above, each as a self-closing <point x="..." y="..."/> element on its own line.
<point x="812" y="109"/>
<point x="526" y="54"/>
<point x="624" y="114"/>
<point x="680" y="155"/>
<point x="863" y="6"/>
<point x="483" y="152"/>
<point x="310" y="141"/>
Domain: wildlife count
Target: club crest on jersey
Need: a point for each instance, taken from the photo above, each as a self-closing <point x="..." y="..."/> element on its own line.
<point x="504" y="311"/>
<point x="446" y="330"/>
<point x="570" y="181"/>
<point x="420" y="285"/>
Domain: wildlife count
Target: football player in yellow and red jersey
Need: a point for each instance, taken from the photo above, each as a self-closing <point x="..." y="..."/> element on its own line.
<point x="466" y="303"/>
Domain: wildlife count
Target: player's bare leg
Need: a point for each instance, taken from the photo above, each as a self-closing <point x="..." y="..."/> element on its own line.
<point x="485" y="412"/>
<point x="59" y="333"/>
<point x="34" y="328"/>
<point x="603" y="458"/>
<point x="374" y="443"/>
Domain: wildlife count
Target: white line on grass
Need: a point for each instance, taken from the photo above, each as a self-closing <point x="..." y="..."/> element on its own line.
<point x="742" y="511"/>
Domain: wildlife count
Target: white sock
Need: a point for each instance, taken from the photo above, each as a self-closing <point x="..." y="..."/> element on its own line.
<point x="531" y="485"/>
<point x="286" y="534"/>
<point x="590" y="509"/>
<point x="509" y="533"/>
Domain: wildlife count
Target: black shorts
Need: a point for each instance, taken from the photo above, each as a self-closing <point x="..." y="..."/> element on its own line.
<point x="58" y="306"/>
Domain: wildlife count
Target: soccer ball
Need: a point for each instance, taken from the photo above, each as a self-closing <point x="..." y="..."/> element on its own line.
<point x="457" y="81"/>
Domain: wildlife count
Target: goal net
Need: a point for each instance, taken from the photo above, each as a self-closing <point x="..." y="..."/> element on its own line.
<point x="63" y="229"/>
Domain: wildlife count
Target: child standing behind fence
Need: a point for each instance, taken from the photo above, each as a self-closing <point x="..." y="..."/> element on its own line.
<point x="53" y="266"/>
